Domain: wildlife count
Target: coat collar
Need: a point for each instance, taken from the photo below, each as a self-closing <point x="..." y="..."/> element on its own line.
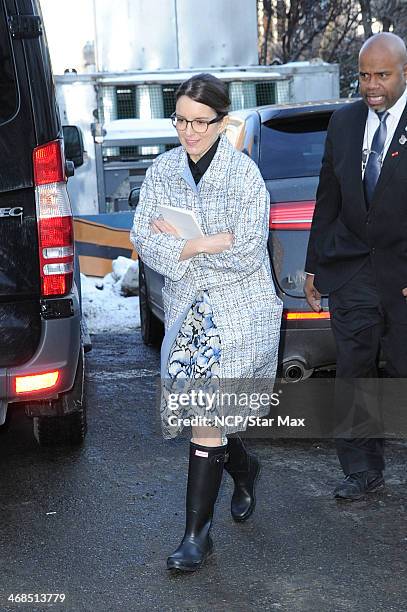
<point x="216" y="172"/>
<point x="393" y="156"/>
<point x="356" y="133"/>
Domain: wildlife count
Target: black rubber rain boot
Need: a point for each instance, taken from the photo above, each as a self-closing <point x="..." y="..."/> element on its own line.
<point x="244" y="469"/>
<point x="204" y="478"/>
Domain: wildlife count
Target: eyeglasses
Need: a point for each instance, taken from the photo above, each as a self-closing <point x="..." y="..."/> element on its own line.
<point x="198" y="125"/>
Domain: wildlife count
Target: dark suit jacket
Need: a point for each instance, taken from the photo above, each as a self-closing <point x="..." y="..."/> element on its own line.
<point x="343" y="233"/>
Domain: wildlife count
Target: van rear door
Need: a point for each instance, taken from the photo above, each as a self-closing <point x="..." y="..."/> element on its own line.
<point x="20" y="322"/>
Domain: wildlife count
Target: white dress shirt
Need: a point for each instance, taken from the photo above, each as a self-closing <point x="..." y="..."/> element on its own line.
<point x="373" y="122"/>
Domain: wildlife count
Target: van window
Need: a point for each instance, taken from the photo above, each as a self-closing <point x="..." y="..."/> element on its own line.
<point x="8" y="85"/>
<point x="293" y="146"/>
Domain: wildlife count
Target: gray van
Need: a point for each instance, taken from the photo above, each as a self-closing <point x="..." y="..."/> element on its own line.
<point x="41" y="344"/>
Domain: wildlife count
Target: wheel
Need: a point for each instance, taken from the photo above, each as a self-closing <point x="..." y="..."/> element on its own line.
<point x="151" y="327"/>
<point x="67" y="429"/>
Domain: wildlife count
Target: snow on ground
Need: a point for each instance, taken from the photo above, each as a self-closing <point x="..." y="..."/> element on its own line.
<point x="103" y="299"/>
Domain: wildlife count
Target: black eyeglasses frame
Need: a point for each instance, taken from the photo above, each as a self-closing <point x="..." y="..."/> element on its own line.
<point x="173" y="118"/>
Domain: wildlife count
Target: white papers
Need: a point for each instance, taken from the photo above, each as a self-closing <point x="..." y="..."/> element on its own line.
<point x="184" y="220"/>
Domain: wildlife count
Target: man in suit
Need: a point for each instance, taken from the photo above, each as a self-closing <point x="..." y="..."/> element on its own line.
<point x="357" y="252"/>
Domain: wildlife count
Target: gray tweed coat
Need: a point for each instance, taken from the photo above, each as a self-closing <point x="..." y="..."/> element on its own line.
<point x="231" y="197"/>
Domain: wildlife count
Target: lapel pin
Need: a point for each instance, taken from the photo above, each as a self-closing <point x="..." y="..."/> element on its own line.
<point x="394" y="154"/>
<point x="402" y="139"/>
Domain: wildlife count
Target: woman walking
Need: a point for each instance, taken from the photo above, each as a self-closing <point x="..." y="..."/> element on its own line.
<point x="222" y="315"/>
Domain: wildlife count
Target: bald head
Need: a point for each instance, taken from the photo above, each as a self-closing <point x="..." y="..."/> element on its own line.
<point x="382" y="70"/>
<point x="386" y="42"/>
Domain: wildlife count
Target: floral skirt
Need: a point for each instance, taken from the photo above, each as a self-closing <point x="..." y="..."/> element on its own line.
<point x="193" y="365"/>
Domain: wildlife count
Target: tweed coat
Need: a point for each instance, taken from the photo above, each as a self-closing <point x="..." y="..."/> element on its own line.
<point x="231" y="197"/>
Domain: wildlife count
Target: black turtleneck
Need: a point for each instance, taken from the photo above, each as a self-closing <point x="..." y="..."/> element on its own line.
<point x="199" y="168"/>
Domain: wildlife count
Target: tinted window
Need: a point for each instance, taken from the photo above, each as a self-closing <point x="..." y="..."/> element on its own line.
<point x="8" y="87"/>
<point x="293" y="146"/>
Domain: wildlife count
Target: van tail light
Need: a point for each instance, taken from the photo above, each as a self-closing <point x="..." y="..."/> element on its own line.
<point x="55" y="221"/>
<point x="291" y="215"/>
<point x="36" y="382"/>
<point x="290" y="315"/>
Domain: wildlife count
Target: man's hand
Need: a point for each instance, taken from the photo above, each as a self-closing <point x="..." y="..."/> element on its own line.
<point x="404" y="292"/>
<point x="313" y="296"/>
<point x="161" y="226"/>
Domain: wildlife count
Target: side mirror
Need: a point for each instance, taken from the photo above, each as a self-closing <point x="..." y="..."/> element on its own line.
<point x="69" y="168"/>
<point x="134" y="197"/>
<point x="73" y="144"/>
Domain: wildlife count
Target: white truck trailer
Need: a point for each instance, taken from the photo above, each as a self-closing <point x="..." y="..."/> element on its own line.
<point x="143" y="51"/>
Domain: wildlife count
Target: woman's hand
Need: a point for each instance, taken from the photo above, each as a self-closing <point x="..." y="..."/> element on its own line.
<point x="161" y="226"/>
<point x="217" y="243"/>
<point x="212" y="244"/>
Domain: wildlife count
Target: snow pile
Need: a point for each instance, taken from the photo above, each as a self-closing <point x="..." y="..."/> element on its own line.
<point x="126" y="275"/>
<point x="103" y="299"/>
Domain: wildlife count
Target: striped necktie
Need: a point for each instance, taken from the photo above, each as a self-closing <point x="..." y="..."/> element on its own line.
<point x="374" y="166"/>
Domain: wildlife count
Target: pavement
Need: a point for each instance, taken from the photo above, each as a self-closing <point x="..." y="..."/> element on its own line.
<point x="96" y="524"/>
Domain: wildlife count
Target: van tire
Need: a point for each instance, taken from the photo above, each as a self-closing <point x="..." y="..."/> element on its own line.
<point x="67" y="429"/>
<point x="151" y="328"/>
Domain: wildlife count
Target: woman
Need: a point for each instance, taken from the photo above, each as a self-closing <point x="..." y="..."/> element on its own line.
<point x="222" y="315"/>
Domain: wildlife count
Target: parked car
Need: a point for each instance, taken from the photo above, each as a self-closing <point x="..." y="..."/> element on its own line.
<point x="287" y="143"/>
<point x="41" y="341"/>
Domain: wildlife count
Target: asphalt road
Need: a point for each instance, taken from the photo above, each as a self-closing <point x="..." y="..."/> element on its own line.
<point x="97" y="524"/>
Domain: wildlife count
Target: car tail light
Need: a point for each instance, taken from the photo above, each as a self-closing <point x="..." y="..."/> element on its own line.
<point x="291" y="215"/>
<point x="36" y="382"/>
<point x="305" y="315"/>
<point x="55" y="222"/>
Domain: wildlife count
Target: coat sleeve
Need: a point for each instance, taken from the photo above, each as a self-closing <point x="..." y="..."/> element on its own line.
<point x="328" y="203"/>
<point x="250" y="232"/>
<point x="161" y="252"/>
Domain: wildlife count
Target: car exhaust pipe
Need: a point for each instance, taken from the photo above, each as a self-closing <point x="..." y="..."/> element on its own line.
<point x="295" y="371"/>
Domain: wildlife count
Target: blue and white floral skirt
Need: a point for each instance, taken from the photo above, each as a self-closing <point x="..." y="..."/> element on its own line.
<point x="193" y="365"/>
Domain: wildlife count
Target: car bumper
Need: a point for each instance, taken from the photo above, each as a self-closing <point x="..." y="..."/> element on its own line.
<point x="58" y="349"/>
